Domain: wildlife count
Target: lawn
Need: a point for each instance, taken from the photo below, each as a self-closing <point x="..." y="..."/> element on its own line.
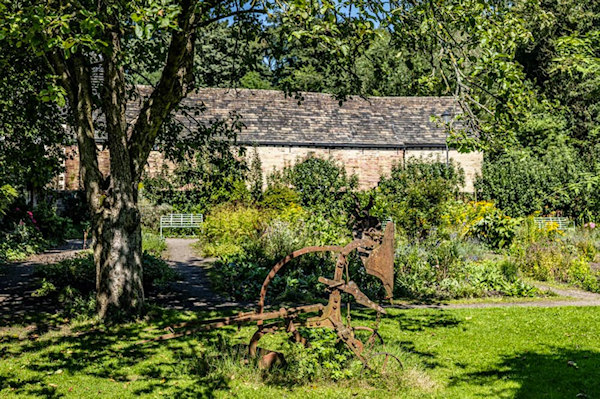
<point x="462" y="353"/>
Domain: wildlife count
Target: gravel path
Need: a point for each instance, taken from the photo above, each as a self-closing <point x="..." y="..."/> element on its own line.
<point x="193" y="292"/>
<point x="577" y="298"/>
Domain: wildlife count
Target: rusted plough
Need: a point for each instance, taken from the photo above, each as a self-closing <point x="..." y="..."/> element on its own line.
<point x="376" y="249"/>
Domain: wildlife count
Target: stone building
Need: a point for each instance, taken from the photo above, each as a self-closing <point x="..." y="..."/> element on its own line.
<point x="367" y="136"/>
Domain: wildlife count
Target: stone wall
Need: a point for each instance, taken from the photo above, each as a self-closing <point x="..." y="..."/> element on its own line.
<point x="72" y="177"/>
<point x="367" y="163"/>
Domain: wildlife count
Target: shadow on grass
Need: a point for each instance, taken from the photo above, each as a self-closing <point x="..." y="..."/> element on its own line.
<point x="111" y="353"/>
<point x="564" y="373"/>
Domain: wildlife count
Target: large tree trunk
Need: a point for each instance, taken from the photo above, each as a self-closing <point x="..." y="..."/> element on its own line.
<point x="118" y="258"/>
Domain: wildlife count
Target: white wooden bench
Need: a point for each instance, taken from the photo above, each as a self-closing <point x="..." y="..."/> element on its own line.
<point x="180" y="221"/>
<point x="562" y="223"/>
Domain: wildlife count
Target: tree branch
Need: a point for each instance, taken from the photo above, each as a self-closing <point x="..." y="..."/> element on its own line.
<point x="75" y="77"/>
<point x="175" y="82"/>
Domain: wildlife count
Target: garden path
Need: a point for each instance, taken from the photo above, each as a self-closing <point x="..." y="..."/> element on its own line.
<point x="193" y="292"/>
<point x="569" y="297"/>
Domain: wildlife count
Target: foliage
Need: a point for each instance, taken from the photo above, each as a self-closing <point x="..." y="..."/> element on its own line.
<point x="416" y="194"/>
<point x="450" y="269"/>
<point x="53" y="227"/>
<point x="227" y="227"/>
<point x="255" y="240"/>
<point x="323" y="185"/>
<point x="550" y="254"/>
<point x="473" y="45"/>
<point x="7" y="195"/>
<point x="31" y="134"/>
<point x="255" y="176"/>
<point x="72" y="282"/>
<point x="20" y="242"/>
<point x="280" y="197"/>
<point x="494" y="228"/>
<point x="153" y="244"/>
<point x="521" y="183"/>
<point x="151" y="213"/>
<point x="327" y="358"/>
<point x="209" y="168"/>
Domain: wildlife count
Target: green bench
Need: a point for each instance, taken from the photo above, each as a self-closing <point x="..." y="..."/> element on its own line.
<point x="180" y="221"/>
<point x="562" y="223"/>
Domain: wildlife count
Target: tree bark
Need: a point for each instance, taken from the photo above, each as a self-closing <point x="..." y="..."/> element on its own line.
<point x="118" y="258"/>
<point x="118" y="246"/>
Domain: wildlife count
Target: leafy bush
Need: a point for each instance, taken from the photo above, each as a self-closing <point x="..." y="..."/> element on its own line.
<point x="279" y="197"/>
<point x="150" y="214"/>
<point x="7" y="195"/>
<point x="322" y="185"/>
<point x="227" y="227"/>
<point x="154" y="244"/>
<point x="550" y="255"/>
<point x="418" y="194"/>
<point x="23" y="240"/>
<point x="326" y="358"/>
<point x="558" y="179"/>
<point x="53" y="227"/>
<point x="495" y="229"/>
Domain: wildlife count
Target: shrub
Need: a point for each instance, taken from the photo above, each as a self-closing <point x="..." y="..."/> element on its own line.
<point x="495" y="229"/>
<point x="418" y="194"/>
<point x="279" y="197"/>
<point x="550" y="255"/>
<point x="443" y="271"/>
<point x="53" y="227"/>
<point x="522" y="182"/>
<point x="7" y="195"/>
<point x="227" y="227"/>
<point x="22" y="241"/>
<point x="326" y="358"/>
<point x="150" y="214"/>
<point x="154" y="244"/>
<point x="322" y="185"/>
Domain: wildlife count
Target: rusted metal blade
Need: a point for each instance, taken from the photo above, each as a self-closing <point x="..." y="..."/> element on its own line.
<point x="380" y="262"/>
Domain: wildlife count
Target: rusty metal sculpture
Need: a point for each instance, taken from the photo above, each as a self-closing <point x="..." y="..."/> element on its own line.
<point x="376" y="249"/>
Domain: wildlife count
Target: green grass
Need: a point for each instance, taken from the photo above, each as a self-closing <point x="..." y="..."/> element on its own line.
<point x="461" y="353"/>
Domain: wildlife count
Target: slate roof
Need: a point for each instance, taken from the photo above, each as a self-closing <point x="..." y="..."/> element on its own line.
<point x="271" y="118"/>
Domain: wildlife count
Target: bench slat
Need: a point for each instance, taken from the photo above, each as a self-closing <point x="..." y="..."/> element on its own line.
<point x="180" y="220"/>
<point x="563" y="223"/>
